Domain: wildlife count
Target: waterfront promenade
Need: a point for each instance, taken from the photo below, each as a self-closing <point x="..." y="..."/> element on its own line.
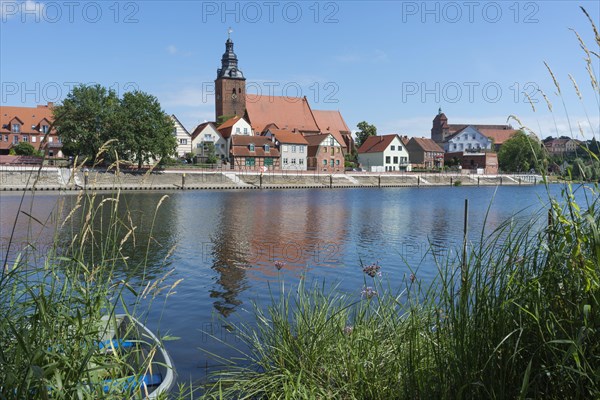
<point x="18" y="178"/>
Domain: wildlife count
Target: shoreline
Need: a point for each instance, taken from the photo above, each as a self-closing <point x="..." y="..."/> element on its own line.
<point x="63" y="179"/>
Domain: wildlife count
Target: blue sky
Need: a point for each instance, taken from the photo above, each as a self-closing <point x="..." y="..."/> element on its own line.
<point x="391" y="63"/>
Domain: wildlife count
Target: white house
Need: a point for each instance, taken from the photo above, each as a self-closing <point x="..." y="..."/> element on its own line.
<point x="184" y="139"/>
<point x="383" y="153"/>
<point x="293" y="148"/>
<point x="468" y="139"/>
<point x="206" y="135"/>
<point x="235" y="126"/>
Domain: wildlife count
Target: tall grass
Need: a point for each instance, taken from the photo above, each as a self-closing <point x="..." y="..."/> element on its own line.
<point x="54" y="301"/>
<point x="525" y="323"/>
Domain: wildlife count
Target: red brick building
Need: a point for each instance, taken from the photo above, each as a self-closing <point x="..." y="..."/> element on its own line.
<point x="325" y="153"/>
<point x="30" y="125"/>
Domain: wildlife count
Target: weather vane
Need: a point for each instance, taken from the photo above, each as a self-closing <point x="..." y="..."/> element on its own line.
<point x="229" y="33"/>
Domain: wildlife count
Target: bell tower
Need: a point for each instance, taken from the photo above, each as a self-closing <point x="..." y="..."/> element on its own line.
<point x="230" y="85"/>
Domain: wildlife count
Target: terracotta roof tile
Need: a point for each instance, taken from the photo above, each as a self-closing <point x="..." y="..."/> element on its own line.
<point x="290" y="113"/>
<point x="240" y="146"/>
<point x="29" y="116"/>
<point x="498" y="136"/>
<point x="284" y="136"/>
<point x="427" y="145"/>
<point x="377" y="144"/>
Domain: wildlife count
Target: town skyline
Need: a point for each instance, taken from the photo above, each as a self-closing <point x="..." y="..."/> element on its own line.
<point x="381" y="75"/>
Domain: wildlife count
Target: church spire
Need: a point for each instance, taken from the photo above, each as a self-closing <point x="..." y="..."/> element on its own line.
<point x="229" y="61"/>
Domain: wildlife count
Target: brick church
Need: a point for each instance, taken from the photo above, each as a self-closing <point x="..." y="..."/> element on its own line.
<point x="272" y="112"/>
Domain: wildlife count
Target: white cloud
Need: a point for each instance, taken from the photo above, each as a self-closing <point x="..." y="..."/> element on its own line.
<point x="172" y="49"/>
<point x="29" y="10"/>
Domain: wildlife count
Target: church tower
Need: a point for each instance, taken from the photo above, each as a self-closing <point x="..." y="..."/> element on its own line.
<point x="440" y="130"/>
<point x="230" y="85"/>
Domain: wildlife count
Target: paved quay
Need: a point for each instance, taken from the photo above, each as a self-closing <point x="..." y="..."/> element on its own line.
<point x="15" y="178"/>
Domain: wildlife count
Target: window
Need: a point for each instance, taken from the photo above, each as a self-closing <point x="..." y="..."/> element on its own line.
<point x="6" y="138"/>
<point x="393" y="148"/>
<point x="16" y="139"/>
<point x="182" y="141"/>
<point x="33" y="139"/>
<point x="16" y="128"/>
<point x="269" y="161"/>
<point x="222" y="145"/>
<point x="245" y="131"/>
<point x="387" y="159"/>
<point x="293" y="161"/>
<point x="251" y="146"/>
<point x="267" y="148"/>
<point x="208" y="136"/>
<point x="395" y="159"/>
<point x="324" y="149"/>
<point x="237" y="130"/>
<point x="285" y="147"/>
<point x="25" y="138"/>
<point x="337" y="162"/>
<point x="325" y="162"/>
<point x="399" y="148"/>
<point x="285" y="161"/>
<point x="301" y="148"/>
<point x="174" y="131"/>
<point x="293" y="148"/>
<point x="301" y="161"/>
<point x="45" y="129"/>
<point x="50" y="139"/>
<point x="250" y="162"/>
<point x="332" y="163"/>
<point x="198" y="145"/>
<point x="331" y="141"/>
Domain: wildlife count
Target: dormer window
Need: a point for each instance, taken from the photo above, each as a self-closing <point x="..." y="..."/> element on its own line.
<point x="251" y="146"/>
<point x="45" y="129"/>
<point x="267" y="148"/>
<point x="16" y="128"/>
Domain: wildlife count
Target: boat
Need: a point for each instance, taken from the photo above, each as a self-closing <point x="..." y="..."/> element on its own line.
<point x="144" y="353"/>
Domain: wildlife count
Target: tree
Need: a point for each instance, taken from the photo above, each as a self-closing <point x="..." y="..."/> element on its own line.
<point x="365" y="130"/>
<point x="24" y="149"/>
<point x="145" y="131"/>
<point x="86" y="120"/>
<point x="521" y="153"/>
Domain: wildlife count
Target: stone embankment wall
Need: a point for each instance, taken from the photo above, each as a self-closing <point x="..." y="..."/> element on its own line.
<point x="28" y="178"/>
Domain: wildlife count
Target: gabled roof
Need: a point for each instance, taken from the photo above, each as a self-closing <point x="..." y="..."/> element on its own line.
<point x="28" y="116"/>
<point x="200" y="128"/>
<point x="426" y="144"/>
<point x="287" y="137"/>
<point x="377" y="144"/>
<point x="240" y="146"/>
<point x="332" y="121"/>
<point x="498" y="136"/>
<point x="226" y="127"/>
<point x="290" y="113"/>
<point x="177" y="121"/>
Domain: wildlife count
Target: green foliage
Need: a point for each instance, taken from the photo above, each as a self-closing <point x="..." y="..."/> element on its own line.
<point x="145" y="130"/>
<point x="209" y="153"/>
<point x="524" y="323"/>
<point x="86" y="119"/>
<point x="521" y="153"/>
<point x="222" y="118"/>
<point x="24" y="149"/>
<point x="53" y="304"/>
<point x="365" y="130"/>
<point x="135" y="127"/>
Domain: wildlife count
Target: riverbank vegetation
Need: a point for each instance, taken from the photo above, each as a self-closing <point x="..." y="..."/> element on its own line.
<point x="55" y="299"/>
